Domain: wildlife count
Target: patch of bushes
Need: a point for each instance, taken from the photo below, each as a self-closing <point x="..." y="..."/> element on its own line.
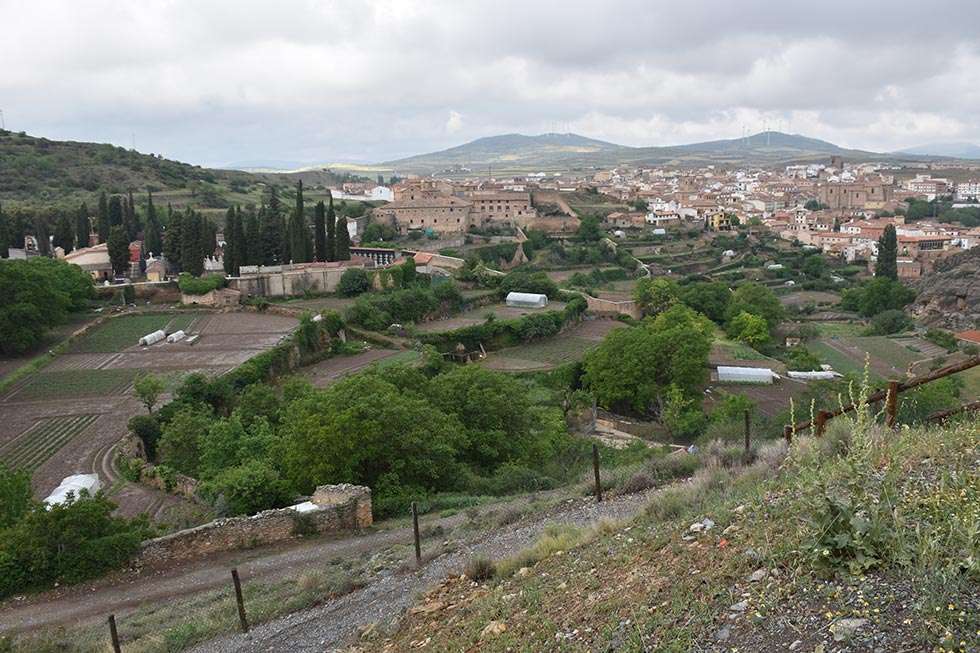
<point x="191" y="285"/>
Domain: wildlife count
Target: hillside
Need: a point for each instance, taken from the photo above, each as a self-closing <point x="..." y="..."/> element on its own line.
<point x="550" y="152"/>
<point x="949" y="296"/>
<point x="948" y="150"/>
<point x="42" y="170"/>
<point x="862" y="541"/>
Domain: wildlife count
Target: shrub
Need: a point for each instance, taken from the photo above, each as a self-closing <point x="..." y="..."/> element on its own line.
<point x="480" y="568"/>
<point x="147" y="429"/>
<point x="353" y="282"/>
<point x="888" y="322"/>
<point x="191" y="285"/>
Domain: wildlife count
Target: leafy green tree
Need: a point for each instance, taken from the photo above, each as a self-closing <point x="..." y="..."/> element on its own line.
<point x="5" y="235"/>
<point x="66" y="543"/>
<point x="353" y="282"/>
<point x="64" y="233"/>
<point x="877" y="295"/>
<point x="147" y="429"/>
<point x="248" y="488"/>
<point x="523" y="280"/>
<point x="494" y="410"/>
<point x="750" y="329"/>
<point x="801" y="359"/>
<point x="331" y="242"/>
<point x="342" y="243"/>
<point x="16" y="497"/>
<point x="654" y="296"/>
<point x="180" y="441"/>
<point x="814" y="266"/>
<point x="887" y="262"/>
<point x="756" y="299"/>
<point x="82" y="227"/>
<point x="148" y="389"/>
<point x="103" y="218"/>
<point x="589" y="229"/>
<point x="889" y="322"/>
<point x="632" y="368"/>
<point x="708" y="297"/>
<point x="319" y="231"/>
<point x="119" y="250"/>
<point x="682" y="413"/>
<point x="375" y="435"/>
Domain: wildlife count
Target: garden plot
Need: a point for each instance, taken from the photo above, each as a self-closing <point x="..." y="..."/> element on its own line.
<point x="887" y="358"/>
<point x="72" y="383"/>
<point x="569" y="346"/>
<point x="479" y="315"/>
<point x="333" y="369"/>
<point x="120" y="333"/>
<point x="38" y="443"/>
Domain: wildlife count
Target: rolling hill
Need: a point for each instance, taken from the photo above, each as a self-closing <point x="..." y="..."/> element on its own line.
<point x="552" y="152"/>
<point x="954" y="150"/>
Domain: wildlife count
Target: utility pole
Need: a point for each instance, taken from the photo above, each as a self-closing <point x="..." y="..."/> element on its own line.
<point x="3" y="125"/>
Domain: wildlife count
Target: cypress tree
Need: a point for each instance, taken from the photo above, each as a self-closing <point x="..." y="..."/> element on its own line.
<point x="173" y="238"/>
<point x="887" y="265"/>
<point x="115" y="211"/>
<point x="64" y="233"/>
<point x="252" y="245"/>
<point x="118" y="249"/>
<point x="103" y="224"/>
<point x="343" y="240"/>
<point x="285" y="253"/>
<point x="299" y="235"/>
<point x="151" y="230"/>
<point x="239" y="240"/>
<point x="5" y="235"/>
<point x="230" y="245"/>
<point x="331" y="233"/>
<point x="42" y="236"/>
<point x="319" y="233"/>
<point x="208" y="237"/>
<point x="133" y="217"/>
<point x="191" y="250"/>
<point x="82" y="226"/>
<point x="271" y="237"/>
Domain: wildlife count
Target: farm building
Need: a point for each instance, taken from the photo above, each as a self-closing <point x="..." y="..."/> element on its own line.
<point x="761" y="375"/>
<point x="527" y="300"/>
<point x="73" y="485"/>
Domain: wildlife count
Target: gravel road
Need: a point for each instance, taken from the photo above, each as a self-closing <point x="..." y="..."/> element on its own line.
<point x="385" y="598"/>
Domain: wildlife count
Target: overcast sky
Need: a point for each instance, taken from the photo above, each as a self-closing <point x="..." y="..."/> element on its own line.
<point x="215" y="82"/>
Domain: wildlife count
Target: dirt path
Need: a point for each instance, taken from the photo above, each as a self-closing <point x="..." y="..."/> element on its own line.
<point x="383" y="601"/>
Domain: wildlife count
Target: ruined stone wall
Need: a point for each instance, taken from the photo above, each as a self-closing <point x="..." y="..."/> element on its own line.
<point x="609" y="307"/>
<point x="338" y="508"/>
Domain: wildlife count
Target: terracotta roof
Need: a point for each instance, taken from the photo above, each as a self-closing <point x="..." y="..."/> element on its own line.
<point x="973" y="335"/>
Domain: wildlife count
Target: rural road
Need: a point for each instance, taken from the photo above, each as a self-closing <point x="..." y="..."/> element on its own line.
<point x="329" y="624"/>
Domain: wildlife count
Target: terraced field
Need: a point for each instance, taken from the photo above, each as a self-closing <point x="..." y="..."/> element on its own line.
<point x="122" y="332"/>
<point x="72" y="383"/>
<point x="42" y="440"/>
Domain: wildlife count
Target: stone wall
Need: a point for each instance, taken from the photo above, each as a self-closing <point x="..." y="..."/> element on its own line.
<point x="336" y="508"/>
<point x="609" y="307"/>
<point x="290" y="280"/>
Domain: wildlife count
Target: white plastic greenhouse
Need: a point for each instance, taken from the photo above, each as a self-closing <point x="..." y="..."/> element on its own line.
<point x="176" y="336"/>
<point x="152" y="338"/>
<point x="526" y="300"/>
<point x="74" y="485"/>
<point x="822" y="375"/>
<point x="761" y="375"/>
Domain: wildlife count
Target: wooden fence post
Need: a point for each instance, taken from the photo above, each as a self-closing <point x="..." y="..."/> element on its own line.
<point x="788" y="433"/>
<point x="748" y="427"/>
<point x="242" y="619"/>
<point x="595" y="468"/>
<point x="113" y="634"/>
<point x="891" y="404"/>
<point x="820" y="423"/>
<point x="415" y="528"/>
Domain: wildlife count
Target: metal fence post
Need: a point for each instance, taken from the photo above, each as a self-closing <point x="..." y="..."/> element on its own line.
<point x="595" y="468"/>
<point x="748" y="428"/>
<point x="243" y="620"/>
<point x="114" y="634"/>
<point x="415" y="528"/>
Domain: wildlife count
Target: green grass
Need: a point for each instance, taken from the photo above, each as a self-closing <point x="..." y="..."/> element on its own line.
<point x="409" y="357"/>
<point x="839" y="329"/>
<point x="37" y="444"/>
<point x="65" y="384"/>
<point x="119" y="333"/>
<point x="841" y="363"/>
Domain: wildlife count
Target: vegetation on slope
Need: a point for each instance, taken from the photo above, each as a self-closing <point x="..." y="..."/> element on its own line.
<point x="867" y="537"/>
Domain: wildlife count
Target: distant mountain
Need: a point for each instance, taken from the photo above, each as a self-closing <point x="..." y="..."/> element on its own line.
<point x="955" y="150"/>
<point x="550" y="152"/>
<point x="266" y="165"/>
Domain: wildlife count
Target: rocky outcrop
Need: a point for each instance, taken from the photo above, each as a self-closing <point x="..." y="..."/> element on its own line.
<point x="949" y="296"/>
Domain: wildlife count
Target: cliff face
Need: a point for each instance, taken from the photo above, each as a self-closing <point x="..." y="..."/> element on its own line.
<point x="949" y="296"/>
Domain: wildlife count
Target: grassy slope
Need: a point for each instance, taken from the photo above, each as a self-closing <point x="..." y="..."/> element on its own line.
<point x="909" y="510"/>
